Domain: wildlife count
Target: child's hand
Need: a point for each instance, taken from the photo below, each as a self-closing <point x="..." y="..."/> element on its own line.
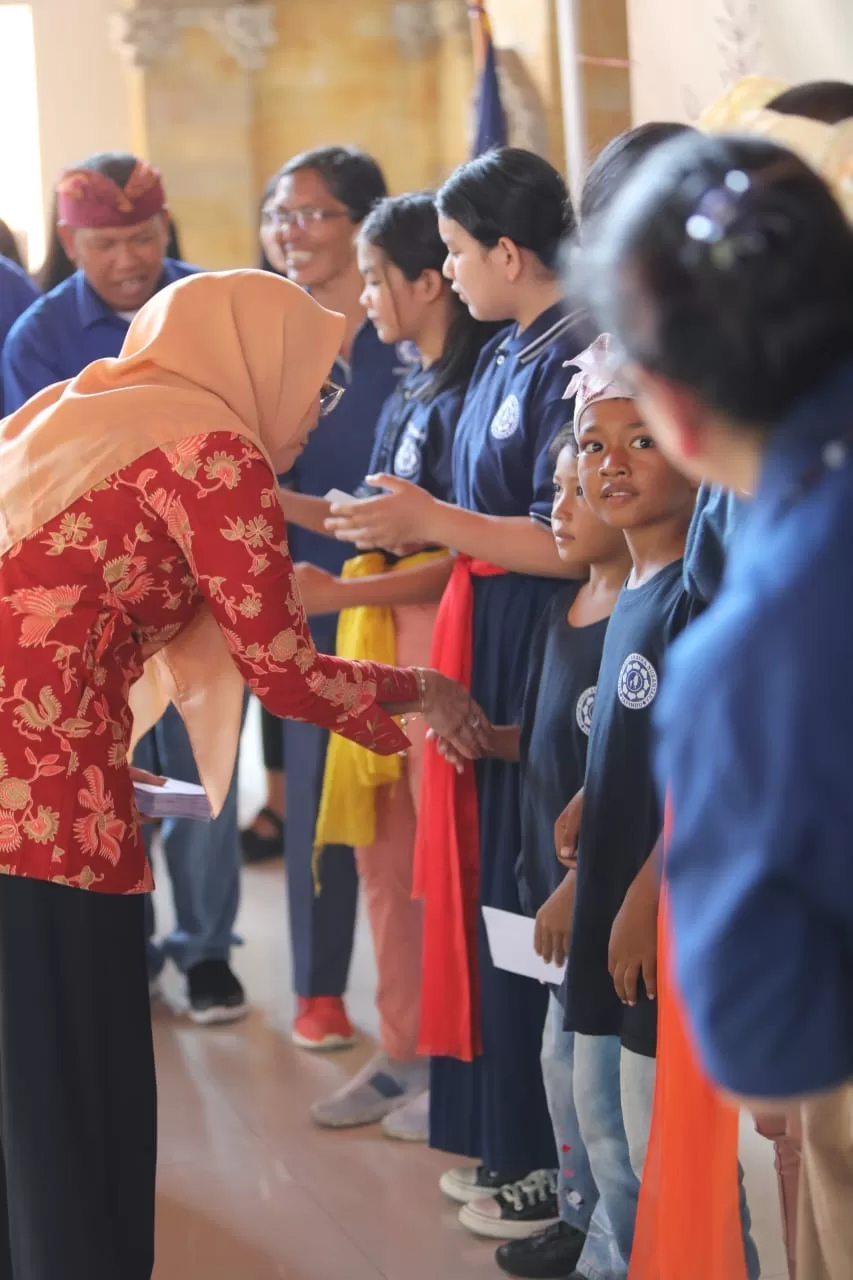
<point x="319" y="589"/>
<point x="634" y="940"/>
<point x="566" y="831"/>
<point x="553" y="931"/>
<point x="447" y="750"/>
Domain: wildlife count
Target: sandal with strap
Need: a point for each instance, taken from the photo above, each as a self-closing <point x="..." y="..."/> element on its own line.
<point x="258" y="848"/>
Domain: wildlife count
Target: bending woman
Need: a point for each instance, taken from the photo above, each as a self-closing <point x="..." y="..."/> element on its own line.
<point x="141" y="522"/>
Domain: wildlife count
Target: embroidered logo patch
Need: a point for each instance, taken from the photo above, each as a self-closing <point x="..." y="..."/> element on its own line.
<point x="407" y="459"/>
<point x="583" y="712"/>
<point x="506" y="420"/>
<point x="638" y="682"/>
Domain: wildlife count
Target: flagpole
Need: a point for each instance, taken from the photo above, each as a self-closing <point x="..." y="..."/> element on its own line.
<point x="574" y="103"/>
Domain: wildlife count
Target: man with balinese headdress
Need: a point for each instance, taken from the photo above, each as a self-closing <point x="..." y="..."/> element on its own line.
<point x="113" y="221"/>
<point x="689" y="1220"/>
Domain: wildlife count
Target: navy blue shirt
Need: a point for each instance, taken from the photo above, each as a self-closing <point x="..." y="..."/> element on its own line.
<point x="338" y="452"/>
<point x="716" y="519"/>
<point x="63" y="332"/>
<point x="17" y="293"/>
<point x="555" y="723"/>
<point x="414" y="437"/>
<point x="756" y="744"/>
<point x="622" y="818"/>
<point x="513" y="409"/>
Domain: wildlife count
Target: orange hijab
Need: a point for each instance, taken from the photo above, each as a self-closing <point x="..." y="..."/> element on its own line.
<point x="240" y="351"/>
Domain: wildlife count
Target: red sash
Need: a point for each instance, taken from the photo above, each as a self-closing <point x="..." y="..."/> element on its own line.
<point x="447" y="850"/>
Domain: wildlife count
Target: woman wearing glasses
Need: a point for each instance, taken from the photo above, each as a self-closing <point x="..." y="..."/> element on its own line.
<point x="321" y="200"/>
<point x="139" y="563"/>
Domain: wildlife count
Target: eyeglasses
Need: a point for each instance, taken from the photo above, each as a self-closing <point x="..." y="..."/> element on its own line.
<point x="330" y="397"/>
<point x="283" y="220"/>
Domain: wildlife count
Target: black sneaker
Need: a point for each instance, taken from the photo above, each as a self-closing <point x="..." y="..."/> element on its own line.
<point x="216" y="994"/>
<point x="551" y="1254"/>
<point x="519" y="1210"/>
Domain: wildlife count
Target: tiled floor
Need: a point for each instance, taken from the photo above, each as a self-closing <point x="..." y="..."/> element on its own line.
<point x="248" y="1190"/>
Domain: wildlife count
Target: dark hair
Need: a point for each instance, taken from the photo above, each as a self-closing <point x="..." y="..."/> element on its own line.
<point x="827" y="100"/>
<point x="617" y="161"/>
<point x="173" y="245"/>
<point x="116" y="165"/>
<point x="405" y="230"/>
<point x="513" y="193"/>
<point x="726" y="266"/>
<point x="9" y="247"/>
<point x="353" y="177"/>
<point x="564" y="439"/>
<point x="264" y="263"/>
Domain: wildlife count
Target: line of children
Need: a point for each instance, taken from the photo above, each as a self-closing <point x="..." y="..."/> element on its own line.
<point x="502" y="218"/>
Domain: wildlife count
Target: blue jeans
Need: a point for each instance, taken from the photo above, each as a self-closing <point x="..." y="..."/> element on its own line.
<point x="578" y="1192"/>
<point x="614" y="1098"/>
<point x="203" y="860"/>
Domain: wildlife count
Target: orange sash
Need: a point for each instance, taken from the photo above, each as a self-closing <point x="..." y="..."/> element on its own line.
<point x="447" y="850"/>
<point x="688" y="1220"/>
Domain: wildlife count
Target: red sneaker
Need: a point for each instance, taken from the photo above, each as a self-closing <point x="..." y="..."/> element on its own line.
<point x="321" y="1024"/>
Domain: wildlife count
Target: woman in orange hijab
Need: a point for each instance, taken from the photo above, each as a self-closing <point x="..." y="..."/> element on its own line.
<point x="142" y="544"/>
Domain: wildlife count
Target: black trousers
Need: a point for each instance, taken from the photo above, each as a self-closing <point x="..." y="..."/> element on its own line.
<point x="273" y="741"/>
<point x="78" y="1107"/>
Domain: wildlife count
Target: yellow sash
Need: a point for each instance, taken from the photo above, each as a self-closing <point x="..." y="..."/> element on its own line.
<point x="348" y="802"/>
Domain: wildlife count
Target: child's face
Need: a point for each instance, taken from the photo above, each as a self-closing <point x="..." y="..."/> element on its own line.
<point x="625" y="478"/>
<point x="578" y="532"/>
<point x="384" y="296"/>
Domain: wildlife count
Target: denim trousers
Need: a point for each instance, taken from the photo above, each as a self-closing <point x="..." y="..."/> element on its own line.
<point x="202" y="859"/>
<point x="614" y="1098"/>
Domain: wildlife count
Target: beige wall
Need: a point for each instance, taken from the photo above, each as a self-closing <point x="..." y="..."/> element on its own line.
<point x="82" y="88"/>
<point x="684" y="52"/>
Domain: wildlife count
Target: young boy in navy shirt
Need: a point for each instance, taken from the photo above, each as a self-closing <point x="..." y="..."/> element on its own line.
<point x="611" y="977"/>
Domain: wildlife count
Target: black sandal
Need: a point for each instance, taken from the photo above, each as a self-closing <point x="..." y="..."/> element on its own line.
<point x="258" y="848"/>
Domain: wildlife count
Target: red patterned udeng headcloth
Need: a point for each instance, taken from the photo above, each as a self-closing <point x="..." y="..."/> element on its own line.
<point x="87" y="199"/>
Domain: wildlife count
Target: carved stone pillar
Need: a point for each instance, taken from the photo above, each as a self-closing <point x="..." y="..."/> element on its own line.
<point x="190" y="70"/>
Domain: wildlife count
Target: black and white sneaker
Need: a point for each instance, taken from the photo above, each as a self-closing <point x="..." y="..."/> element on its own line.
<point x="518" y="1210"/>
<point x="216" y="995"/>
<point x="472" y="1183"/>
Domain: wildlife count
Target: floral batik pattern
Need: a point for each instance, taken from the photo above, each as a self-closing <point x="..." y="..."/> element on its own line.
<point x="86" y="599"/>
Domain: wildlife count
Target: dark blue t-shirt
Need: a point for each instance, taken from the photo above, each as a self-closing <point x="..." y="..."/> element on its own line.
<point x="555" y="723"/>
<point x="716" y="519"/>
<point x="63" y="332"/>
<point x="622" y="816"/>
<point x="338" y="452"/>
<point x="414" y="438"/>
<point x="513" y="409"/>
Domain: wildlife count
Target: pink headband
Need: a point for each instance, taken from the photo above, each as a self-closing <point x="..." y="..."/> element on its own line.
<point x="599" y="378"/>
<point x="88" y="199"/>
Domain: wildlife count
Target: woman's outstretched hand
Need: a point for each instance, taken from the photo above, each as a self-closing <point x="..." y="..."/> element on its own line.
<point x="455" y="718"/>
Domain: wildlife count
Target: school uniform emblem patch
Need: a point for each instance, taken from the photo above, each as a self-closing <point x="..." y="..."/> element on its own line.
<point x="506" y="420"/>
<point x="638" y="683"/>
<point x="583" y="711"/>
<point x="407" y="460"/>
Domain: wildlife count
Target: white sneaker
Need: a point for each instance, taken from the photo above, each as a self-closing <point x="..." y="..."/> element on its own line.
<point x="472" y="1183"/>
<point x="409" y="1123"/>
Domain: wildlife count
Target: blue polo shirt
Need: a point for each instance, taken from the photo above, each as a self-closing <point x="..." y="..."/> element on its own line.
<point x="414" y="437"/>
<point x="63" y="332"/>
<point x="338" y="452"/>
<point x="513" y="409"/>
<point x="716" y="520"/>
<point x="17" y="293"/>
<point x="755" y="728"/>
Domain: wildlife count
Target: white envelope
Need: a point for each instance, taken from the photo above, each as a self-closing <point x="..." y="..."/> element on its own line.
<point x="511" y="944"/>
<point x="174" y="800"/>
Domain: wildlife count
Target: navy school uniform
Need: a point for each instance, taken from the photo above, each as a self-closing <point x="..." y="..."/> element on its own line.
<point x="494" y="1109"/>
<point x="622" y="815"/>
<point x="555" y="724"/>
<point x="17" y="294"/>
<point x="716" y="519"/>
<point x="755" y="732"/>
<point x="337" y="456"/>
<point x="414" y="438"/>
<point x="63" y="332"/>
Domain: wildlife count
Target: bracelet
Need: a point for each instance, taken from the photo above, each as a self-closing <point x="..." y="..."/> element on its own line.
<point x="420" y="676"/>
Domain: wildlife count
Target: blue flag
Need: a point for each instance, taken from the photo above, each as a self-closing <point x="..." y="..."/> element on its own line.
<point x="491" y="125"/>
